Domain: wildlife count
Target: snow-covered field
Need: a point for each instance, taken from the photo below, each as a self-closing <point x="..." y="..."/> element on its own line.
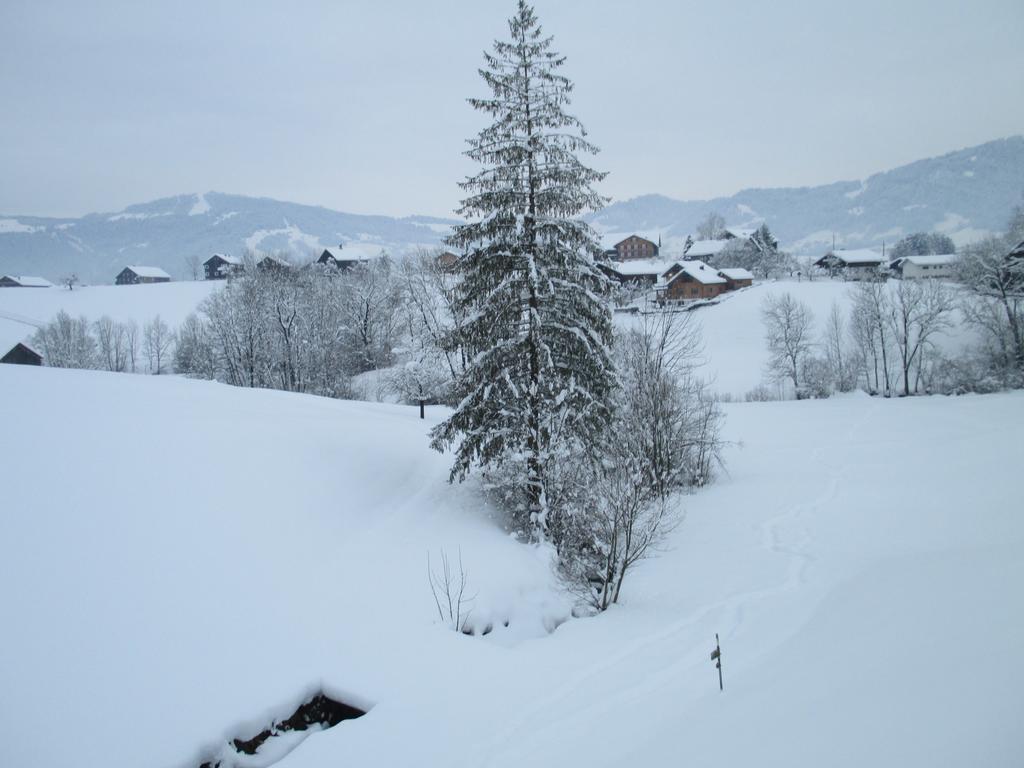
<point x="183" y="561"/>
<point x="22" y="309"/>
<point x="735" y="354"/>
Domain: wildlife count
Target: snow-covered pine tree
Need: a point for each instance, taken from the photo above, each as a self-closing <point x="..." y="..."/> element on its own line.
<point x="538" y="332"/>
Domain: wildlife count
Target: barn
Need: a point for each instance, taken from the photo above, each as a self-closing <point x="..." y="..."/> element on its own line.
<point x="336" y="257"/>
<point x="22" y="354"/>
<point x="939" y="265"/>
<point x="136" y="275"/>
<point x="853" y="264"/>
<point x="24" y="281"/>
<point x="272" y="264"/>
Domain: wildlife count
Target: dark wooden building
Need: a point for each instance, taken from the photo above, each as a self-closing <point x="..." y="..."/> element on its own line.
<point x="137" y="275"/>
<point x="272" y="264"/>
<point x="220" y="266"/>
<point x="22" y="354"/>
<point x="335" y="257"/>
<point x="691" y="280"/>
<point x="636" y="247"/>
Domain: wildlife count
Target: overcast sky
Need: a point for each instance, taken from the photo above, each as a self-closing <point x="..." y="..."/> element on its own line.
<point x="360" y="106"/>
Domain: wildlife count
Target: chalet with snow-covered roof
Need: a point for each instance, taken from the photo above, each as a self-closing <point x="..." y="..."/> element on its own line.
<point x="635" y="247"/>
<point x="736" y="277"/>
<point x="136" y="275"/>
<point x="22" y="354"/>
<point x="689" y="281"/>
<point x="737" y="233"/>
<point x="24" y="281"/>
<point x="220" y="266"/>
<point x="338" y="258"/>
<point x="272" y="264"/>
<point x="853" y="264"/>
<point x="636" y="272"/>
<point x="915" y="267"/>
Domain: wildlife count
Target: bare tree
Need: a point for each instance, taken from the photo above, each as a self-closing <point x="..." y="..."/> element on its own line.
<point x="66" y="342"/>
<point x="712" y="227"/>
<point x="131" y="341"/>
<point x="449" y="591"/>
<point x="194" y="265"/>
<point x="870" y="326"/>
<point x="918" y="310"/>
<point x="841" y="360"/>
<point x="157" y="341"/>
<point x="664" y="437"/>
<point x="996" y="279"/>
<point x="112" y="343"/>
<point x="788" y="324"/>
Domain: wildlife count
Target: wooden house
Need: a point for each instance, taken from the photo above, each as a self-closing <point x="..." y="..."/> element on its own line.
<point x="335" y="257"/>
<point x="220" y="266"/>
<point x="24" y="281"/>
<point x="22" y="354"/>
<point x="136" y="275"/>
<point x="689" y="281"/>
<point x="736" y="277"/>
<point x="272" y="264"/>
<point x="854" y="264"/>
<point x="915" y="267"/>
<point x="636" y="247"/>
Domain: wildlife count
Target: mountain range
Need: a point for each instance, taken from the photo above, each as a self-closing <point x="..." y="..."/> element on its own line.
<point x="964" y="194"/>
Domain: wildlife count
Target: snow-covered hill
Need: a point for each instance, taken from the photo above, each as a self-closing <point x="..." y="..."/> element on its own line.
<point x="964" y="194"/>
<point x="183" y="561"/>
<point x="735" y="354"/>
<point x="22" y="310"/>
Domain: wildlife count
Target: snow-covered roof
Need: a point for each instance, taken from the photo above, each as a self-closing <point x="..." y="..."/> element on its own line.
<point x="148" y="271"/>
<point x="736" y="273"/>
<point x="741" y="233"/>
<point x="706" y="247"/>
<point x="637" y="267"/>
<point x="234" y="260"/>
<point x="857" y="256"/>
<point x="275" y="260"/>
<point x="935" y="260"/>
<point x="638" y="237"/>
<point x="355" y="252"/>
<point x="697" y="270"/>
<point x="1019" y="250"/>
<point x="30" y="281"/>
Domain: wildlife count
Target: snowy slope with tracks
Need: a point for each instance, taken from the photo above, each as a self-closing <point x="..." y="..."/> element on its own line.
<point x="184" y="560"/>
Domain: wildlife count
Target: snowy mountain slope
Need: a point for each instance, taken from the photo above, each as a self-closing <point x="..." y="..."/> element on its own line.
<point x="212" y="554"/>
<point x="964" y="194"/>
<point x="22" y="310"/>
<point x="164" y="232"/>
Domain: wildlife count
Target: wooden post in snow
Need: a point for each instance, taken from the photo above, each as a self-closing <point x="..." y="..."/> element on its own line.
<point x="716" y="656"/>
<point x="422" y="403"/>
